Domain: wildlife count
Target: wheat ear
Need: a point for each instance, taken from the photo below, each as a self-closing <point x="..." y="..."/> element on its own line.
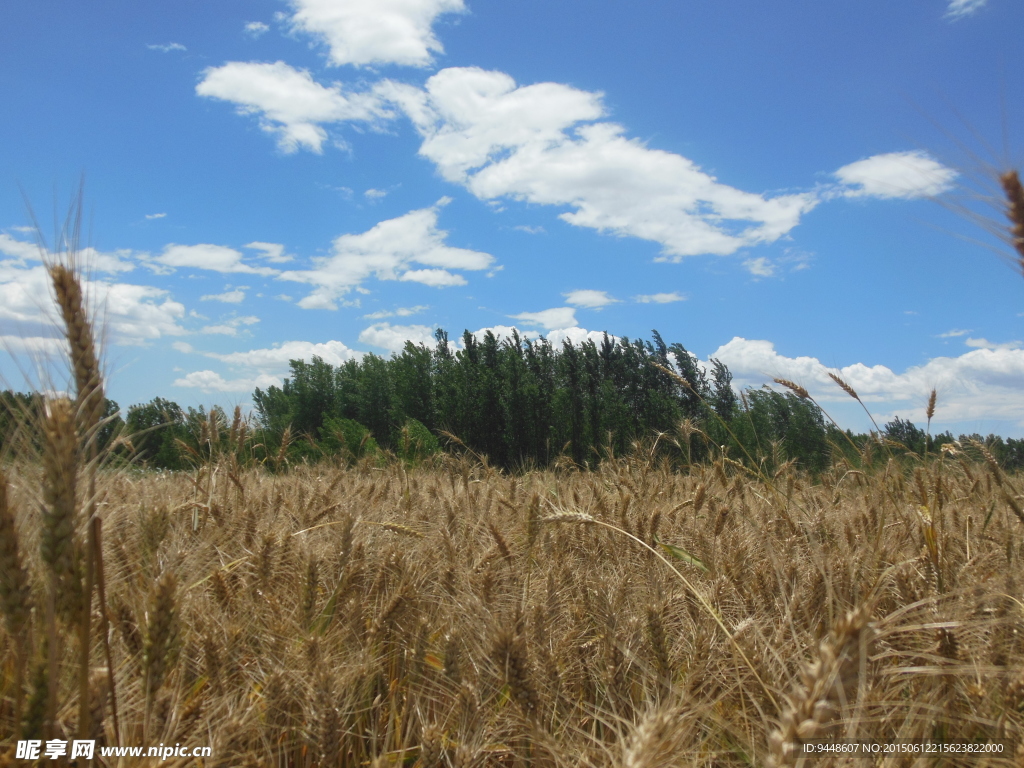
<point x="826" y="686"/>
<point x="1015" y="212"/>
<point x="84" y="361"/>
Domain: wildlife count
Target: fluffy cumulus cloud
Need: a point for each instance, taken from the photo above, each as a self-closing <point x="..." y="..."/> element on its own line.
<point x="126" y="313"/>
<point x="387" y="252"/>
<point x="540" y="143"/>
<point x="275" y="359"/>
<point x="260" y="367"/>
<point x="981" y="384"/>
<point x="589" y="299"/>
<point x="217" y="258"/>
<point x="366" y="32"/>
<point x="288" y="102"/>
<point x="550" y="319"/>
<point x="210" y="381"/>
<point x="577" y="336"/>
<point x="394" y="337"/>
<point x="903" y="175"/>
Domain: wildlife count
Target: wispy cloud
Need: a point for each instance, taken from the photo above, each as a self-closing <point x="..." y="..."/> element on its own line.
<point x="759" y="267"/>
<point x="272" y="252"/>
<point x="237" y="296"/>
<point x="400" y="312"/>
<point x="167" y="47"/>
<point x="957" y="9"/>
<point x="659" y="298"/>
<point x="255" y="29"/>
<point x="230" y="327"/>
<point x="953" y="334"/>
<point x="155" y="215"/>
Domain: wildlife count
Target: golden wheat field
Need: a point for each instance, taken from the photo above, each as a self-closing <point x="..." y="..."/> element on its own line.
<point x="453" y="616"/>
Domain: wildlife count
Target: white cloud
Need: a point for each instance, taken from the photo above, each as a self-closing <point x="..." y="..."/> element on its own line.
<point x="19" y="250"/>
<point x="275" y="359"/>
<point x="230" y="327"/>
<point x="537" y="143"/>
<point x="272" y="252"/>
<point x="393" y="337"/>
<point x="435" y="278"/>
<point x="375" y="194"/>
<point x="183" y="346"/>
<point x="530" y="230"/>
<point x="365" y="32"/>
<point x="953" y="334"/>
<point x="89" y="259"/>
<point x="210" y="381"/>
<point x="256" y="28"/>
<point x="236" y="296"/>
<point x="387" y="252"/>
<point x="288" y="101"/>
<point x="660" y="298"/>
<point x="217" y="258"/>
<point x="400" y="312"/>
<point x="552" y="319"/>
<point x="167" y="47"/>
<point x="126" y="313"/>
<point x="36" y="346"/>
<point x="577" y="336"/>
<point x="759" y="267"/>
<point x="986" y="344"/>
<point x="155" y="215"/>
<point x="957" y="9"/>
<point x="904" y="175"/>
<point x="981" y="384"/>
<point x="589" y="299"/>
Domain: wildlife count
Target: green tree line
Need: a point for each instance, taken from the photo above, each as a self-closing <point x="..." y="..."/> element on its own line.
<point x="520" y="402"/>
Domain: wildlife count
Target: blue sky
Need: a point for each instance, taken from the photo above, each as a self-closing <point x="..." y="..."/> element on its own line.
<point x="785" y="186"/>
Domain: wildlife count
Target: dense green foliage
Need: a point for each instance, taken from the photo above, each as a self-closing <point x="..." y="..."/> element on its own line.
<point x="519" y="402"/>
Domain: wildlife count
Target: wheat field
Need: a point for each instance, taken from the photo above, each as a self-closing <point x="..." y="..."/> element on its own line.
<point x="451" y="615"/>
